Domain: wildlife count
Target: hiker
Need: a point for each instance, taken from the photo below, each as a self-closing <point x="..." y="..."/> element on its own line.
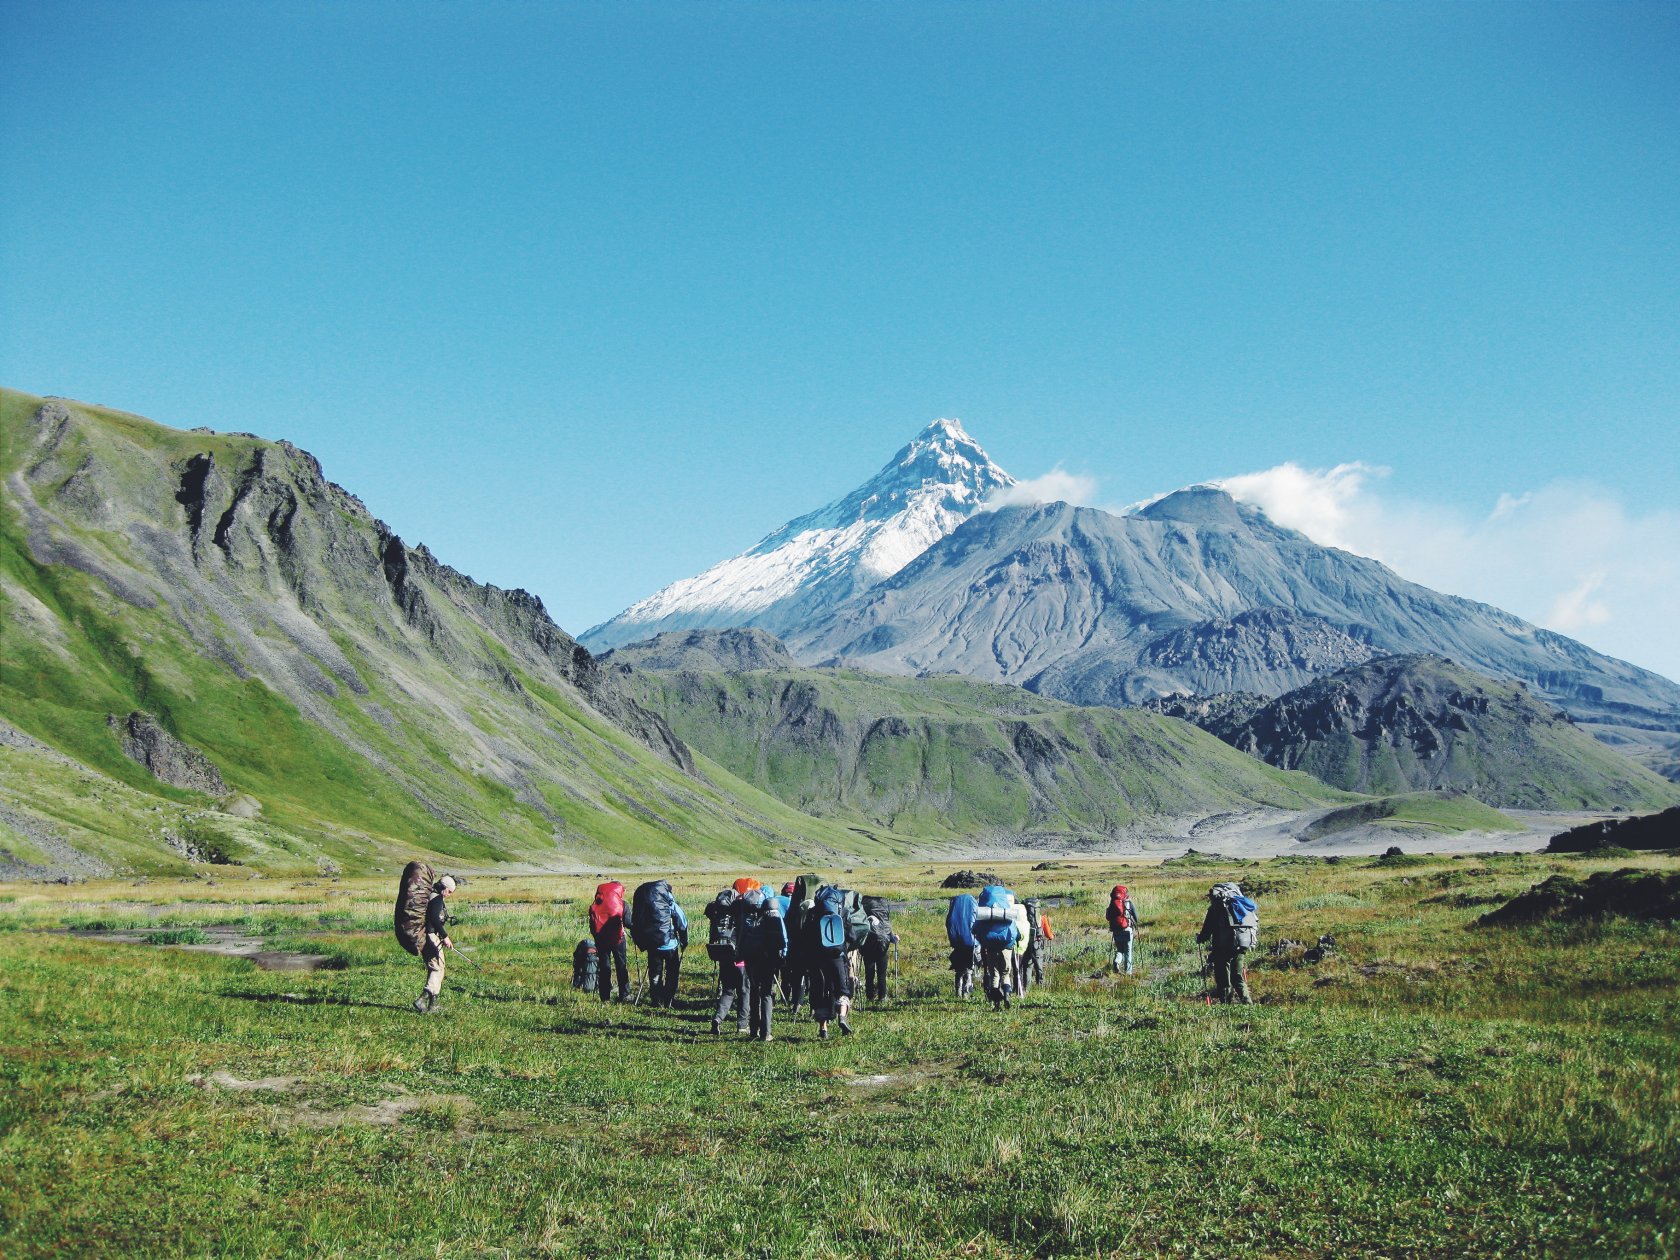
<point x="1123" y="925"/>
<point x="585" y="965"/>
<point x="995" y="929"/>
<point x="829" y="938"/>
<point x="1023" y="941"/>
<point x="795" y="977"/>
<point x="437" y="940"/>
<point x="763" y="943"/>
<point x="659" y="926"/>
<point x="1038" y="953"/>
<point x="877" y="949"/>
<point x="965" y="949"/>
<point x="1231" y="927"/>
<point x="606" y="926"/>
<point x="723" y="946"/>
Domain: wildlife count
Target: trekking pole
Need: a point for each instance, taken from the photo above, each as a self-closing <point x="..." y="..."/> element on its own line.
<point x="1207" y="999"/>
<point x="463" y="957"/>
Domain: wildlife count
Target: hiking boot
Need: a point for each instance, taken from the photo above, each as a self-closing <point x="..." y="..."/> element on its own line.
<point x="422" y="1004"/>
<point x="717" y="1028"/>
<point x="845" y="1028"/>
<point x="767" y="1037"/>
<point x="741" y="1030"/>
<point x="822" y="1034"/>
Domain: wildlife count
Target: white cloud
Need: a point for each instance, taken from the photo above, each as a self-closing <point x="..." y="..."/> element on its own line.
<point x="1569" y="556"/>
<point x="1056" y="486"/>
<point x="1317" y="502"/>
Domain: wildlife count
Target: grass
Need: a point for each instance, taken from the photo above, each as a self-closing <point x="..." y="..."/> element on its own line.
<point x="1431" y="1088"/>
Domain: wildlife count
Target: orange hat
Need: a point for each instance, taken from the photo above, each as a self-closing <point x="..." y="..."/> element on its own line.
<point x="745" y="885"/>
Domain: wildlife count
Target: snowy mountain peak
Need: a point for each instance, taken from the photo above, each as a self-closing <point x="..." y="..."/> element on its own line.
<point x="931" y="486"/>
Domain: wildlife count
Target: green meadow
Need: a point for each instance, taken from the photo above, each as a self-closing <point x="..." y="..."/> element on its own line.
<point x="1429" y="1088"/>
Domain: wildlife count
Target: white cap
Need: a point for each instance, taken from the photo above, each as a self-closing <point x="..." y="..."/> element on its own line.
<point x="447" y="883"/>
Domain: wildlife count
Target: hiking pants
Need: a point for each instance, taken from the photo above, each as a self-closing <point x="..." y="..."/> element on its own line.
<point x="997" y="972"/>
<point x="875" y="977"/>
<point x="761" y="995"/>
<point x="831" y="980"/>
<point x="608" y="957"/>
<point x="1123" y="950"/>
<point x="1035" y="961"/>
<point x="963" y="962"/>
<point x="795" y="981"/>
<point x="431" y="953"/>
<point x="663" y="966"/>
<point x="733" y="994"/>
<point x="1230" y="977"/>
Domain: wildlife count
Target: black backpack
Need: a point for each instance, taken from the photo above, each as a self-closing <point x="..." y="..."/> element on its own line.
<point x="652" y="916"/>
<point x="1033" y="930"/>
<point x="880" y="937"/>
<point x="723" y="944"/>
<point x="759" y="937"/>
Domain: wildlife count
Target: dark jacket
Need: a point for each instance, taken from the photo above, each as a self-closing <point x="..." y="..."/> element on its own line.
<point x="1216" y="928"/>
<point x="437" y="916"/>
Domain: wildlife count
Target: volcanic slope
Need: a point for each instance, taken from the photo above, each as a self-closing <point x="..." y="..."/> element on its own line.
<point x="1195" y="592"/>
<point x="814" y="563"/>
<point x="208" y="604"/>
<point x="1402" y="723"/>
<point x="948" y="756"/>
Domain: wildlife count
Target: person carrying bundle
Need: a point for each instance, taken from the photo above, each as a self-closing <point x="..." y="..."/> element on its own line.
<point x="763" y="944"/>
<point x="996" y="930"/>
<point x="422" y="925"/>
<point x="831" y="933"/>
<point x="877" y="949"/>
<point x="1123" y="926"/>
<point x="659" y="926"/>
<point x="795" y="971"/>
<point x="1038" y="951"/>
<point x="723" y="946"/>
<point x="965" y="949"/>
<point x="606" y="925"/>
<point x="1231" y="927"/>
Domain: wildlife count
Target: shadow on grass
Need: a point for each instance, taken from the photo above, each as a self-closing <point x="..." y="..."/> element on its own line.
<point x="313" y="999"/>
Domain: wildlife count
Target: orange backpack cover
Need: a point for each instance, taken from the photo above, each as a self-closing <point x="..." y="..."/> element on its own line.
<point x="606" y="913"/>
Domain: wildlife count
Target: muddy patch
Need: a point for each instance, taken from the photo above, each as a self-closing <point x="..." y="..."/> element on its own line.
<point x="228" y="1081"/>
<point x="226" y="940"/>
<point x="454" y="1108"/>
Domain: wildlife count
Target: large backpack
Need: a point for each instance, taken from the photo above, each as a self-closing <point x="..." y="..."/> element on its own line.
<point x="762" y="931"/>
<point x="993" y="924"/>
<point x="826" y="921"/>
<point x="414" y="891"/>
<point x="606" y="913"/>
<point x="1033" y="933"/>
<point x="723" y="943"/>
<point x="1118" y="919"/>
<point x="653" y="916"/>
<point x="857" y="919"/>
<point x="880" y="936"/>
<point x="959" y="922"/>
<point x="585" y="965"/>
<point x="1242" y="916"/>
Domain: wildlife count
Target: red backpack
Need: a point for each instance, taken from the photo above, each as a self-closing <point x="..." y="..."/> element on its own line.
<point x="1117" y="917"/>
<point x="606" y="913"/>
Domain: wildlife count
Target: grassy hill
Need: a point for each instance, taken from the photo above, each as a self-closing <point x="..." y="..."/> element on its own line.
<point x="945" y="756"/>
<point x="359" y="699"/>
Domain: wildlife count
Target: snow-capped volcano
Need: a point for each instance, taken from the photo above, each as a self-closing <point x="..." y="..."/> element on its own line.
<point x="823" y="558"/>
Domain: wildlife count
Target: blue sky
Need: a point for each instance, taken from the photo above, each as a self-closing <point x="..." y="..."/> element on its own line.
<point x="587" y="297"/>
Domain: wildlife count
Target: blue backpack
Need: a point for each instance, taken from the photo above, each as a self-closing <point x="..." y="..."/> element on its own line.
<point x="959" y="922"/>
<point x="830" y="915"/>
<point x="992" y="924"/>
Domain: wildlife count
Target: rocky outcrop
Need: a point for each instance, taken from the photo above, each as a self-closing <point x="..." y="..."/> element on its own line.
<point x="169" y="760"/>
<point x="1408" y="723"/>
<point x="731" y="651"/>
<point x="1653" y="831"/>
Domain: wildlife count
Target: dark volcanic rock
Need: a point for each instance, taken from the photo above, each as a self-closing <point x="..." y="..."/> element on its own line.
<point x="1654" y="831"/>
<point x="170" y="761"/>
<point x="1221" y="716"/>
<point x="1632" y="894"/>
<point x="969" y="879"/>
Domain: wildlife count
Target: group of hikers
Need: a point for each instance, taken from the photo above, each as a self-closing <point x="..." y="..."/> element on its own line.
<point x="814" y="942"/>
